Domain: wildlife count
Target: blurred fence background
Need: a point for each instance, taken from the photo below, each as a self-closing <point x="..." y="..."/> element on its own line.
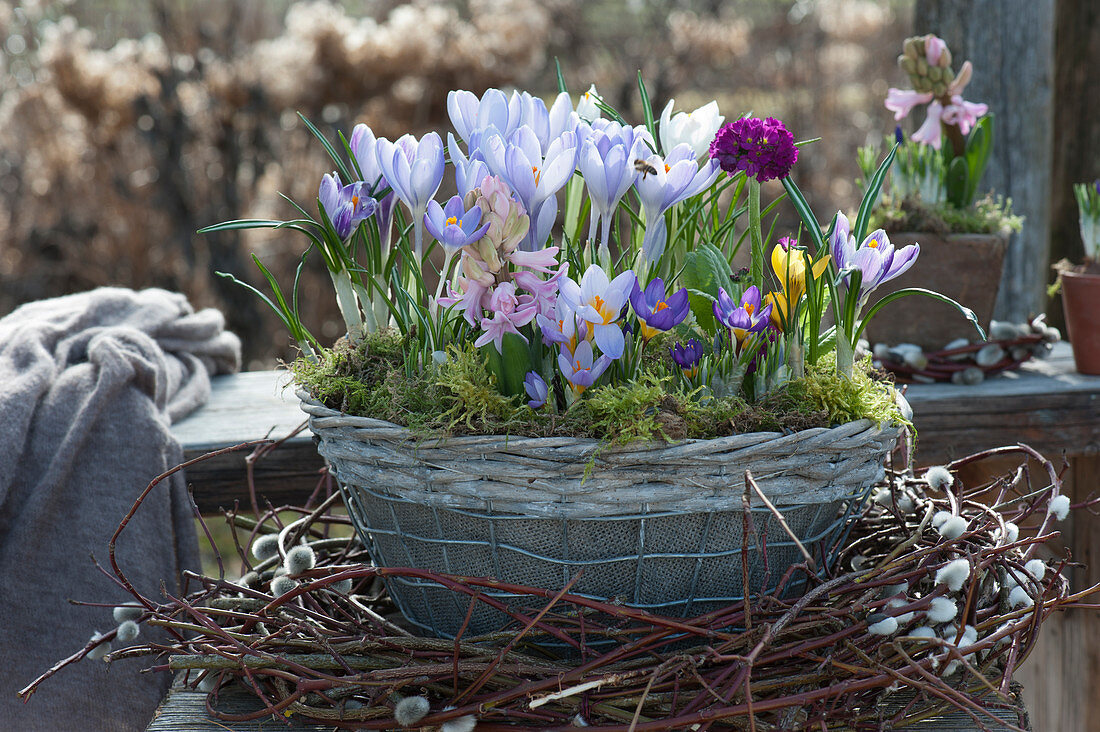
<point x="125" y="126"/>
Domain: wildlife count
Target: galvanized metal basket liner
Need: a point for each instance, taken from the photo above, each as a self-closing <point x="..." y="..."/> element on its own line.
<point x="659" y="526"/>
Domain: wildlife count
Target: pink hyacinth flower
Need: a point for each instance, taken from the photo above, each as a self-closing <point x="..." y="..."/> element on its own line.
<point x="902" y="101"/>
<point x="963" y="114"/>
<point x="930" y="132"/>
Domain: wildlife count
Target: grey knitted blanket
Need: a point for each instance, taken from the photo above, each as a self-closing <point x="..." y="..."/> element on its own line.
<point x="89" y="385"/>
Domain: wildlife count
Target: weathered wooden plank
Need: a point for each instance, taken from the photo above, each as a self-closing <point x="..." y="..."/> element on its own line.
<point x="184" y="711"/>
<point x="1011" y="43"/>
<point x="1045" y="404"/>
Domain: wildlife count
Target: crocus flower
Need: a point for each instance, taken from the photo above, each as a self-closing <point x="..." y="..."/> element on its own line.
<point x="364" y="149"/>
<point x="678" y="177"/>
<point x="586" y="105"/>
<point x="687" y="356"/>
<point x="607" y="164"/>
<point x="742" y="318"/>
<point x="469" y="171"/>
<point x="493" y="110"/>
<point x="414" y="169"/>
<point x="533" y="176"/>
<point x="452" y="225"/>
<point x="763" y="148"/>
<point x="548" y="124"/>
<point x="536" y="389"/>
<point x="600" y="302"/>
<point x="580" y="368"/>
<point x="657" y="313"/>
<point x="696" y="128"/>
<point x="789" y="264"/>
<point x="563" y="328"/>
<point x="875" y="258"/>
<point x="345" y="206"/>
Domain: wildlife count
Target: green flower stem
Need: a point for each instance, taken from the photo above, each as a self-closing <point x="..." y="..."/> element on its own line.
<point x="348" y="303"/>
<point x="756" y="269"/>
<point x="443" y="277"/>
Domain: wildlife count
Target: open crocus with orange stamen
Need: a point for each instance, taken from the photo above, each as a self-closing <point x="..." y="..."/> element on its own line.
<point x="452" y="225"/>
<point x="600" y="302"/>
<point x="742" y="318"/>
<point x="657" y="313"/>
<point x="875" y="259"/>
<point x="582" y="367"/>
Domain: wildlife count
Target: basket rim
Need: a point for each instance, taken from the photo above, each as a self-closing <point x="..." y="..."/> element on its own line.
<point x="325" y="416"/>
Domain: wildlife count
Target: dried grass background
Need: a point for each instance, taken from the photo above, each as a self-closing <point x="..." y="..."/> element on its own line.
<point x="125" y="126"/>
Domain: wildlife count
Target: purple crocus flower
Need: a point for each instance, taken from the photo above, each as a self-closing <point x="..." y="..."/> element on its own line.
<point x="763" y="148"/>
<point x="364" y="149"/>
<point x="678" y="178"/>
<point x="533" y="176"/>
<point x="875" y="258"/>
<point x="452" y="225"/>
<point x="742" y="318"/>
<point x="687" y="356"/>
<point x="345" y="206"/>
<point x="600" y="302"/>
<point x="536" y="389"/>
<point x="580" y="368"/>
<point x="607" y="163"/>
<point x="549" y="124"/>
<point x="657" y="313"/>
<point x="493" y="110"/>
<point x="469" y="171"/>
<point x="413" y="168"/>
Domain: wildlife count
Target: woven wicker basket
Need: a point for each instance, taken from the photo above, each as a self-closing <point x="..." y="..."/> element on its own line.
<point x="657" y="526"/>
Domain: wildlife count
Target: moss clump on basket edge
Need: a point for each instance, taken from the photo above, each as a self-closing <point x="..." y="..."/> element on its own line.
<point x="459" y="396"/>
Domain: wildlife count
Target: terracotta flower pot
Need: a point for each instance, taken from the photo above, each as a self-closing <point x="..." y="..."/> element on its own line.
<point x="1081" y="302"/>
<point x="965" y="267"/>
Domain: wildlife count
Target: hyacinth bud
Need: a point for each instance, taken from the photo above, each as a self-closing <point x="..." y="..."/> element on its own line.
<point x="507" y="219"/>
<point x="908" y="64"/>
<point x="935" y="73"/>
<point x="471" y="268"/>
<point x="913" y="47"/>
<point x="945" y="58"/>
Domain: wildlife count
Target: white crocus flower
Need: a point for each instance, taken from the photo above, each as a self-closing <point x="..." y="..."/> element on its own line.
<point x="696" y="128"/>
<point x="586" y="106"/>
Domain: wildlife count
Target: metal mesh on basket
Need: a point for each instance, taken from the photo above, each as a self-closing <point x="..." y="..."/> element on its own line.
<point x="672" y="563"/>
<point x="659" y="526"/>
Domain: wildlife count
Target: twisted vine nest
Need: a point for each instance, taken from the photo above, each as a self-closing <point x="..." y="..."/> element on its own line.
<point x="828" y="657"/>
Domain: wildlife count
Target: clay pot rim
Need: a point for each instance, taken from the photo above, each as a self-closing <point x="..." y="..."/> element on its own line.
<point x="1082" y="276"/>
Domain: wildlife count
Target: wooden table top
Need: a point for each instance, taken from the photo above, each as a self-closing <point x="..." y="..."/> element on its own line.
<point x="1045" y="404"/>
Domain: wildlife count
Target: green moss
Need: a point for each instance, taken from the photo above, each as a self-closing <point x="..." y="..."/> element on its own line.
<point x="988" y="215"/>
<point x="460" y="397"/>
<point x="846" y="400"/>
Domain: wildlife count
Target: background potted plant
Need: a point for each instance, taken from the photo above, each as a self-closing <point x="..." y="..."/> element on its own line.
<point x="569" y="398"/>
<point x="932" y="198"/>
<point x="1080" y="284"/>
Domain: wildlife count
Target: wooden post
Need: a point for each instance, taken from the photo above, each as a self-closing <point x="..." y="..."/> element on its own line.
<point x="1077" y="144"/>
<point x="1011" y="44"/>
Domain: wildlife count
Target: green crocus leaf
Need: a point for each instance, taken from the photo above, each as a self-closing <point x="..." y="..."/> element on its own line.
<point x="705" y="270"/>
